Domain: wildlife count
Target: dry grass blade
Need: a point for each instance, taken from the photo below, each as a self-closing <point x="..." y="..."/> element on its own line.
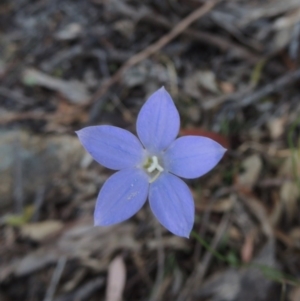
<point x="275" y="86"/>
<point x="55" y="278"/>
<point x="196" y="277"/>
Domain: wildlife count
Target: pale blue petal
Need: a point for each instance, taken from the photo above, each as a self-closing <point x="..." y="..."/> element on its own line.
<point x="158" y="121"/>
<point x="172" y="204"/>
<point x="121" y="196"/>
<point x="112" y="147"/>
<point x="192" y="156"/>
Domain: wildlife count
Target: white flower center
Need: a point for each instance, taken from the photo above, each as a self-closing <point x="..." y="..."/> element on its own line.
<point x="153" y="168"/>
<point x="154" y="165"/>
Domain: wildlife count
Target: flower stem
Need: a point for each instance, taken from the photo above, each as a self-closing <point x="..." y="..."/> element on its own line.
<point x="293" y="149"/>
<point x="269" y="272"/>
<point x="208" y="247"/>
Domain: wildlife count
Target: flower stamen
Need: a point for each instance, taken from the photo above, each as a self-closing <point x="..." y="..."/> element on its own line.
<point x="154" y="165"/>
<point x="153" y="168"/>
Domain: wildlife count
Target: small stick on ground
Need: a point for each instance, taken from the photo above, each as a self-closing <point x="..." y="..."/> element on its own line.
<point x="84" y="291"/>
<point x="273" y="87"/>
<point x="55" y="279"/>
<point x="246" y="97"/>
<point x="18" y="179"/>
<point x="39" y="199"/>
<point x="153" y="48"/>
<point x="218" y="41"/>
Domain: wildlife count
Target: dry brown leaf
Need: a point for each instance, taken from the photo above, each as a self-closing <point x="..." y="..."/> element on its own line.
<point x="145" y="73"/>
<point x="295" y="294"/>
<point x="276" y="127"/>
<point x="85" y="239"/>
<point x="35" y="261"/>
<point x="289" y="194"/>
<point x="207" y="80"/>
<point x="190" y="87"/>
<point x="252" y="167"/>
<point x="288" y="20"/>
<point x="234" y="233"/>
<point x="81" y="241"/>
<point x="222" y="205"/>
<point x="247" y="248"/>
<point x="70" y="32"/>
<point x="294" y="237"/>
<point x="227" y="87"/>
<point x="68" y="113"/>
<point x="42" y="230"/>
<point x="288" y="167"/>
<point x="282" y="37"/>
<point x="200" y="79"/>
<point x="116" y="279"/>
<point x="73" y="90"/>
<point x="125" y="27"/>
<point x="172" y="242"/>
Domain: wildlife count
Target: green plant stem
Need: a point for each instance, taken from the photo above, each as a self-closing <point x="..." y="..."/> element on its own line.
<point x="208" y="247"/>
<point x="269" y="272"/>
<point x="294" y="150"/>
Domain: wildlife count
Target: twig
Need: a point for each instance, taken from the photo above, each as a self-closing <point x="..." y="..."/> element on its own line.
<point x="270" y="9"/>
<point x="271" y="88"/>
<point x="160" y="263"/>
<point x="235" y="96"/>
<point x="83" y="292"/>
<point x="153" y="48"/>
<point x="213" y="39"/>
<point x="256" y="96"/>
<point x="295" y="41"/>
<point x="55" y="278"/>
<point x="38" y="201"/>
<point x="200" y="270"/>
<point x="283" y="292"/>
<point x="18" y="179"/>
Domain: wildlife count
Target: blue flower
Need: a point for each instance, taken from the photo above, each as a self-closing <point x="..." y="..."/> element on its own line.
<point x="150" y="167"/>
